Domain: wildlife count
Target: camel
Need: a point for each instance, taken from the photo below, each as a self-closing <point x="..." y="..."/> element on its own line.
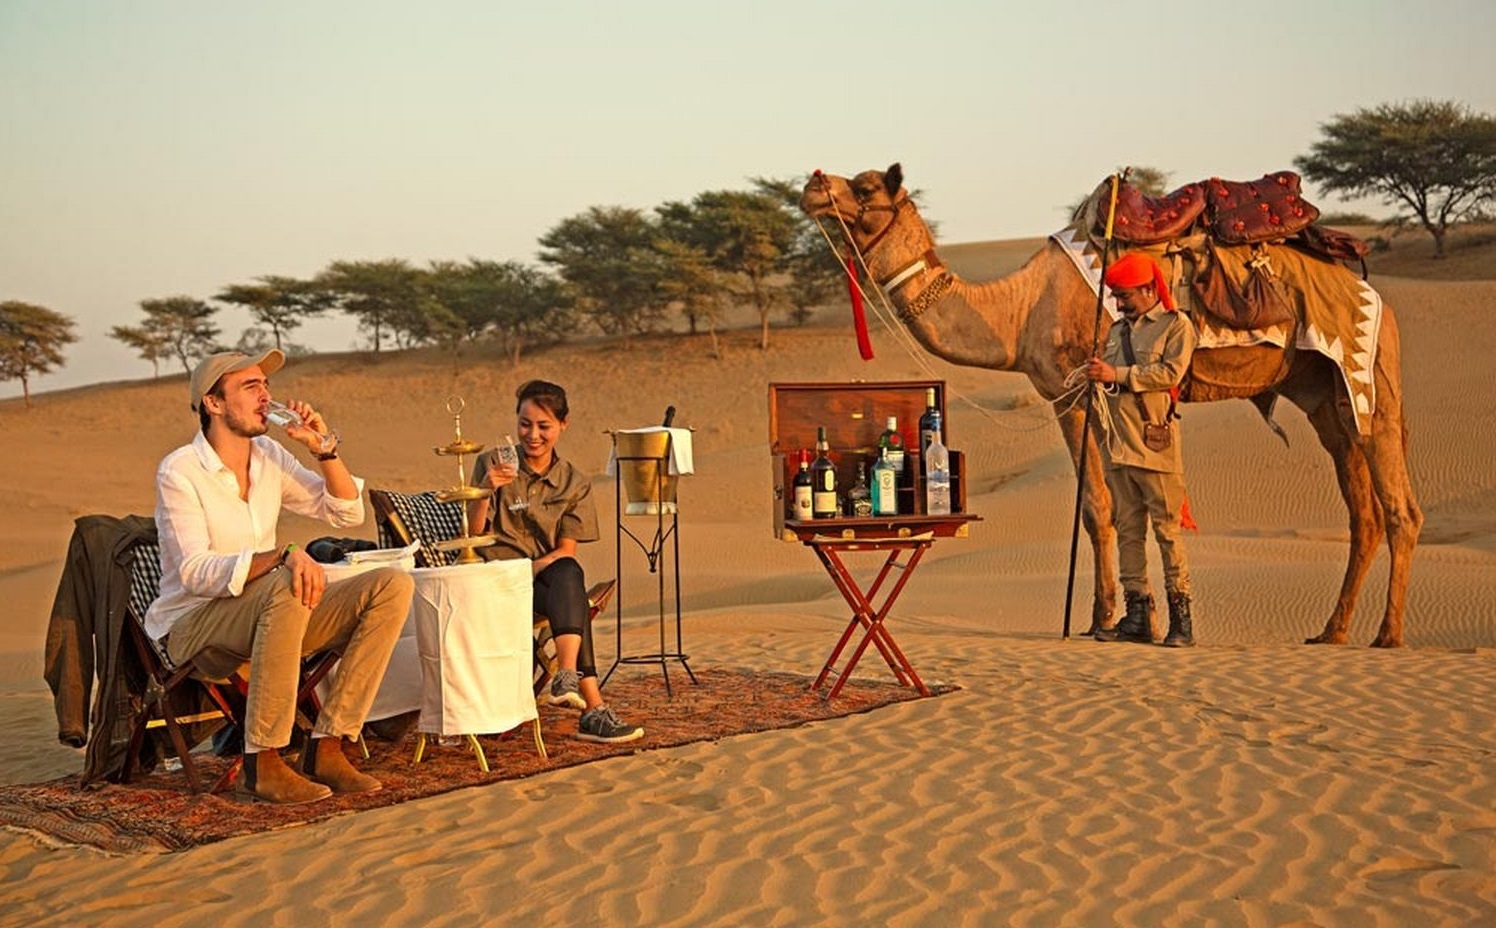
<point x="1039" y="321"/>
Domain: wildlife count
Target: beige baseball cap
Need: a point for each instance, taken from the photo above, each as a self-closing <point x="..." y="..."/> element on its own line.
<point x="214" y="366"/>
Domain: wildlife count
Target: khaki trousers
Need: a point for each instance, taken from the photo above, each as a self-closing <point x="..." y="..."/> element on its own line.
<point x="268" y="627"/>
<point x="1139" y="495"/>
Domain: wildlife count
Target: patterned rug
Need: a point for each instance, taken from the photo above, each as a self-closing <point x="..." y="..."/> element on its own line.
<point x="158" y="813"/>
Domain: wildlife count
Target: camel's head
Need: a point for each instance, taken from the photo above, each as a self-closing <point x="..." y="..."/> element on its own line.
<point x="866" y="203"/>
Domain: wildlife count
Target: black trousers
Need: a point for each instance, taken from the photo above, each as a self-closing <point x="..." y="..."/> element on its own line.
<point x="561" y="596"/>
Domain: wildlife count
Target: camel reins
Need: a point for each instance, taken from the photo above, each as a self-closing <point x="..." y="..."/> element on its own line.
<point x="928" y="296"/>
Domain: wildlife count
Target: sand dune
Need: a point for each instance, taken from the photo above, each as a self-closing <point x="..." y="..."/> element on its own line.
<point x="1248" y="781"/>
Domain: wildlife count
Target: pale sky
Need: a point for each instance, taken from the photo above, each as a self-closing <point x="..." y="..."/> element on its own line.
<point x="151" y="148"/>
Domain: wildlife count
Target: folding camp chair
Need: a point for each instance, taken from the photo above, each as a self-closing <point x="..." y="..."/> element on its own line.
<point x="404" y="518"/>
<point x="165" y="679"/>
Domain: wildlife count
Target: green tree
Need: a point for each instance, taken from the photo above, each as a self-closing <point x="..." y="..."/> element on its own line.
<point x="815" y="269"/>
<point x="185" y="323"/>
<point x="279" y="303"/>
<point x="387" y="297"/>
<point x="31" y="342"/>
<point x="746" y="235"/>
<point x="608" y="259"/>
<point x="151" y="341"/>
<point x="508" y="302"/>
<point x="691" y="284"/>
<point x="1433" y="160"/>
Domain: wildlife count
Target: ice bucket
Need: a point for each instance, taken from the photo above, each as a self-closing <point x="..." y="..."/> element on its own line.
<point x="641" y="455"/>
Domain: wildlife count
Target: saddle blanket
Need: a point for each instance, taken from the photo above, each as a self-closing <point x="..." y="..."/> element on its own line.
<point x="1341" y="314"/>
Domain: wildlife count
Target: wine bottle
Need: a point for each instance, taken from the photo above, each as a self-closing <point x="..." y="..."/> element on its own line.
<point x="929" y="424"/>
<point x="885" y="486"/>
<point x="802" y="506"/>
<point x="859" y="499"/>
<point x="823" y="480"/>
<point x="891" y="446"/>
<point x="937" y="477"/>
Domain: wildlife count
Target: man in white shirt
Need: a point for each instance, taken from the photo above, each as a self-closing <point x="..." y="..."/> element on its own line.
<point x="230" y="594"/>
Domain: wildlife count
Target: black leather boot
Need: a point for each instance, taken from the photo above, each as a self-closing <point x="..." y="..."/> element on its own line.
<point x="1135" y="624"/>
<point x="1181" y="634"/>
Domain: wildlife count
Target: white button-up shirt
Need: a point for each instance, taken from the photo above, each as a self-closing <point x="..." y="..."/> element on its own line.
<point x="209" y="535"/>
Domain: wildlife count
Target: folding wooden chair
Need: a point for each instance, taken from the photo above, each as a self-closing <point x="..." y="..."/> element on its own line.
<point x="403" y="518"/>
<point x="165" y="681"/>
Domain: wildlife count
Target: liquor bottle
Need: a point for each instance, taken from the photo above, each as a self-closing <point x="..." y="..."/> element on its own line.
<point x="859" y="500"/>
<point x="929" y="424"/>
<point x="885" y="486"/>
<point x="891" y="446"/>
<point x="937" y="477"/>
<point x="823" y="479"/>
<point x="802" y="507"/>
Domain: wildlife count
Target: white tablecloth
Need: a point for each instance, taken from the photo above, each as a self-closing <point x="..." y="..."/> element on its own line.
<point x="472" y="625"/>
<point x="400" y="690"/>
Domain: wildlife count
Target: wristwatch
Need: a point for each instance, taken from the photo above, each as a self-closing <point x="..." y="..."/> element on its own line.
<point x="330" y="443"/>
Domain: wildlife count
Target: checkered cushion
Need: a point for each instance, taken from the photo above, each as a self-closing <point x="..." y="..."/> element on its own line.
<point x="145" y="586"/>
<point x="430" y="520"/>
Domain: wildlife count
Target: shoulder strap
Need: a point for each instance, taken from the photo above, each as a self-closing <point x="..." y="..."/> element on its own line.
<point x="1132" y="360"/>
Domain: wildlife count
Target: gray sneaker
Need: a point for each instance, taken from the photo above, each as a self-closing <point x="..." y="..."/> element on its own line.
<point x="565" y="690"/>
<point x="604" y="727"/>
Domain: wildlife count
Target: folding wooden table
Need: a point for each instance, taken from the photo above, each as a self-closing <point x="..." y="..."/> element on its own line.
<point x="894" y="537"/>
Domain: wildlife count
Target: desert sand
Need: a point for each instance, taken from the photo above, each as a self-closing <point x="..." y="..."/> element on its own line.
<point x="1249" y="781"/>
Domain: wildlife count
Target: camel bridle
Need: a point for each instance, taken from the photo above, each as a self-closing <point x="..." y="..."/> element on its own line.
<point x="931" y="293"/>
<point x="863" y="208"/>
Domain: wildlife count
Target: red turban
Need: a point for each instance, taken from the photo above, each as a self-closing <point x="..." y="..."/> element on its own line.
<point x="1136" y="269"/>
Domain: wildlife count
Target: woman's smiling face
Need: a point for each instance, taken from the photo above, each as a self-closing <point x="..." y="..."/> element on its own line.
<point x="538" y="430"/>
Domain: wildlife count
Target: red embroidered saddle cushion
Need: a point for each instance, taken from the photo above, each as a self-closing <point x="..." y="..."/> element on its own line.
<point x="1241" y="212"/>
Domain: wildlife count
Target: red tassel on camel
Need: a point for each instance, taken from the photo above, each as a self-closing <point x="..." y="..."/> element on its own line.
<point x="859" y="317"/>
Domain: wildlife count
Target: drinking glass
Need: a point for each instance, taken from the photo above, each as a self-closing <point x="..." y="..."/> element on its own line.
<point x="283" y="415"/>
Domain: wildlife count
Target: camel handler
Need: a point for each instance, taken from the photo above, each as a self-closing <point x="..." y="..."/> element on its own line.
<point x="1146" y="355"/>
<point x="231" y="594"/>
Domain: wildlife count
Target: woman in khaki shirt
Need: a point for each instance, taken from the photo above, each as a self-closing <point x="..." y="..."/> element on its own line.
<point x="541" y="510"/>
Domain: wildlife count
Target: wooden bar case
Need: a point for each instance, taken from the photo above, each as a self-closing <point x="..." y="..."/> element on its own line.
<point x="854" y="415"/>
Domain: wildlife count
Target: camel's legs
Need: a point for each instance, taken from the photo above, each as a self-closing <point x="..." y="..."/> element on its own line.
<point x="1387" y="456"/>
<point x="1354" y="477"/>
<point x="1096" y="516"/>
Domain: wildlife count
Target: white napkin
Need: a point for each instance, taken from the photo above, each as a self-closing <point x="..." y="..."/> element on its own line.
<point x="681" y="460"/>
<point x="383" y="554"/>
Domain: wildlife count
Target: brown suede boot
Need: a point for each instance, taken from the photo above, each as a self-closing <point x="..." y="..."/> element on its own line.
<point x="325" y="762"/>
<point x="268" y="779"/>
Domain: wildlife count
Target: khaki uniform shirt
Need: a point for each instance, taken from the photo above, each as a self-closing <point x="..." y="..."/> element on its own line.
<point x="1162" y="342"/>
<point x="533" y="513"/>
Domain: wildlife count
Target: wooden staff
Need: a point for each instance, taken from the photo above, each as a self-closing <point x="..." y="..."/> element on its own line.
<point x="1085" y="432"/>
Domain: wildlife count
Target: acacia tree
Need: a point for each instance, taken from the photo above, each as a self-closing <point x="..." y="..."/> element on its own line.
<point x="746" y="235"/>
<point x="692" y="284"/>
<point x="506" y="301"/>
<point x="813" y="266"/>
<point x="185" y="325"/>
<point x="1434" y="160"/>
<point x="279" y="303"/>
<point x="385" y="296"/>
<point x="31" y="342"/>
<point x="150" y="340"/>
<point x="608" y="259"/>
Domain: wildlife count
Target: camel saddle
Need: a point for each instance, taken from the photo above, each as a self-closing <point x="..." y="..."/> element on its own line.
<point x="1232" y="212"/>
<point x="1224" y="225"/>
